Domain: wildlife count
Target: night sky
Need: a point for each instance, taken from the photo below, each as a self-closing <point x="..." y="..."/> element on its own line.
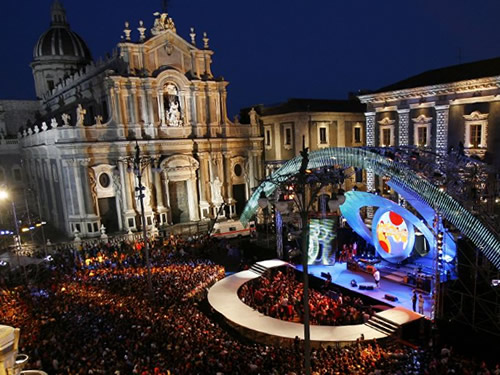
<point x="273" y="50"/>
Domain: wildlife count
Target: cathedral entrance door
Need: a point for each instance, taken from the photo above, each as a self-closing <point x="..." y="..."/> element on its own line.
<point x="240" y="197"/>
<point x="178" y="201"/>
<point x="108" y="212"/>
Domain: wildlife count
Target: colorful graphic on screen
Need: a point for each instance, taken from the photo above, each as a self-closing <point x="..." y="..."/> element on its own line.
<point x="392" y="232"/>
<point x="321" y="234"/>
<point x="393" y="235"/>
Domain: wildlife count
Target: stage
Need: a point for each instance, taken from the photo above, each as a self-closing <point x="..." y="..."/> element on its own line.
<point x="342" y="277"/>
<point x="223" y="297"/>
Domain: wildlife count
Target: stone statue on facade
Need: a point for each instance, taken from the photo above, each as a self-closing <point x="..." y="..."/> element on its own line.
<point x="173" y="114"/>
<point x="66" y="118"/>
<point x="80" y="115"/>
<point x="98" y="120"/>
<point x="53" y="123"/>
<point x="216" y="185"/>
<point x="162" y="23"/>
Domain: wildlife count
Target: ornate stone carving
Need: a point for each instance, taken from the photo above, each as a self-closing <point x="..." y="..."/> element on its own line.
<point x="93" y="187"/>
<point x="44" y="126"/>
<point x="127" y="31"/>
<point x="66" y="119"/>
<point x="173" y="114"/>
<point x="216" y="189"/>
<point x="162" y="23"/>
<point x="386" y="121"/>
<point x="53" y="123"/>
<point x="192" y="34"/>
<point x="80" y="115"/>
<point x="142" y="31"/>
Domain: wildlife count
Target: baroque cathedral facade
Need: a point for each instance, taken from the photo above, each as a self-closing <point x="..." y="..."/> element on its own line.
<point x="156" y="90"/>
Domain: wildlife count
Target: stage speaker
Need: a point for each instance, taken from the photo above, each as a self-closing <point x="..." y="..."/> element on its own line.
<point x="366" y="286"/>
<point x="391" y="297"/>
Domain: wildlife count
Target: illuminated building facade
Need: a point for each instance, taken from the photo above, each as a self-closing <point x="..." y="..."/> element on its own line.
<point x="156" y="88"/>
<point x="317" y="122"/>
<point x="454" y="109"/>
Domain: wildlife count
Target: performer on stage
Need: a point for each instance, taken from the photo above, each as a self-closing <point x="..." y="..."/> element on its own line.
<point x="414" y="300"/>
<point x="376" y="276"/>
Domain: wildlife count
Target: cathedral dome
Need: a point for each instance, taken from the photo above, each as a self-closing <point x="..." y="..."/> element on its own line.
<point x="59" y="40"/>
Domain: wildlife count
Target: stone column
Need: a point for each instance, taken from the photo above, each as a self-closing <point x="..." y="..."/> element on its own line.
<point x="132" y="107"/>
<point x="161" y="107"/>
<point x="229" y="183"/>
<point x="167" y="195"/>
<point x="50" y="178"/>
<point x="404" y="126"/>
<point x="78" y="185"/>
<point x="118" y="104"/>
<point x="144" y="107"/>
<point x="442" y="113"/>
<point x="193" y="202"/>
<point x="149" y="104"/>
<point x="370" y="129"/>
<point x="370" y="141"/>
<point x="203" y="180"/>
<point x="159" y="191"/>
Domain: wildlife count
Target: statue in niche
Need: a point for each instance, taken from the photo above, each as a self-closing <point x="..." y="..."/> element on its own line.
<point x="216" y="185"/>
<point x="173" y="115"/>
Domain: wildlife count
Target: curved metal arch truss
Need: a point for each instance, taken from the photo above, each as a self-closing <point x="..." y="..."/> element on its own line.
<point x="485" y="240"/>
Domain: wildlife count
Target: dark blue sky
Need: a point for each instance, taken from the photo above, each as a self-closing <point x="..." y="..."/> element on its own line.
<point x="275" y="49"/>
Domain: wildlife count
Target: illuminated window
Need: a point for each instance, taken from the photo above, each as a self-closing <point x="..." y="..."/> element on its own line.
<point x="422" y="136"/>
<point x="322" y="136"/>
<point x="386" y="132"/>
<point x="288" y="136"/>
<point x="475" y="135"/>
<point x="357" y="134"/>
<point x="386" y="137"/>
<point x="476" y="127"/>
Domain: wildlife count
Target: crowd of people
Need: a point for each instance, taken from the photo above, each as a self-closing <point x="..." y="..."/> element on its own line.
<point x="280" y="295"/>
<point x="92" y="314"/>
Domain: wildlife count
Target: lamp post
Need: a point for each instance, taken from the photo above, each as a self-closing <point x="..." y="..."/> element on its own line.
<point x="4" y="195"/>
<point x="299" y="182"/>
<point x="138" y="162"/>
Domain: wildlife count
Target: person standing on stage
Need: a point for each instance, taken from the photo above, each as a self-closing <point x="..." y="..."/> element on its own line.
<point x="414" y="300"/>
<point x="376" y="276"/>
<point x="421" y="304"/>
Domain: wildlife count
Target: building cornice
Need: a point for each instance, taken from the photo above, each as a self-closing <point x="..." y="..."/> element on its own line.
<point x="468" y="86"/>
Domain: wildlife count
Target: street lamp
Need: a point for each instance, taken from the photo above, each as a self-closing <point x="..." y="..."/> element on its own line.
<point x="138" y="163"/>
<point x="4" y="195"/>
<point x="304" y="199"/>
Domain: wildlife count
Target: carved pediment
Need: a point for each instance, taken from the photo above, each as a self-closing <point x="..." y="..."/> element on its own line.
<point x="476" y="116"/>
<point x="422" y="119"/>
<point x="386" y="121"/>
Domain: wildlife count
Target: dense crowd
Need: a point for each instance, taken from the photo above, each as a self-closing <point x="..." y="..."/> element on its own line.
<point x="280" y="295"/>
<point x="92" y="315"/>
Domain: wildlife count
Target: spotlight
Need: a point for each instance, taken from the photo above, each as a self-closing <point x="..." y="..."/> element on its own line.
<point x="495" y="282"/>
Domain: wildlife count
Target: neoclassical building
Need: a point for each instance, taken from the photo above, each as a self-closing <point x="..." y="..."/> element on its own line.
<point x="319" y="123"/>
<point x="456" y="108"/>
<point x="156" y="89"/>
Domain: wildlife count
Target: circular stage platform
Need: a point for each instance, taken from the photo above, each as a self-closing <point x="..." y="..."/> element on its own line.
<point x="223" y="297"/>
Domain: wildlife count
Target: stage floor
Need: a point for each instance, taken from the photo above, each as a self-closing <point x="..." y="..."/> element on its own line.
<point x="342" y="276"/>
<point x="223" y="297"/>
